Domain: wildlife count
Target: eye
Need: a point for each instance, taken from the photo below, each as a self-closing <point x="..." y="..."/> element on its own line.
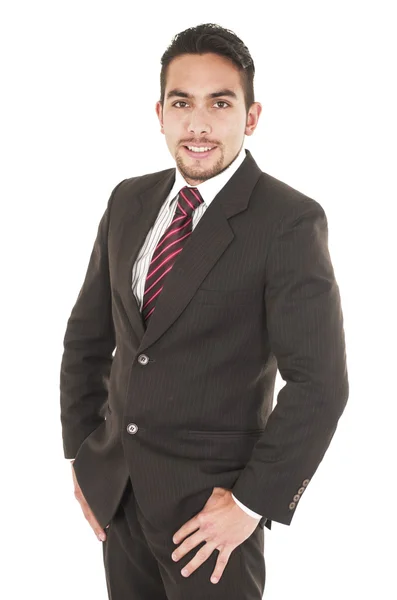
<point x="183" y="102"/>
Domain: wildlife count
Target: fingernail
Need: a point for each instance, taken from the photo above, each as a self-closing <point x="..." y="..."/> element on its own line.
<point x="214" y="579"/>
<point x="102" y="537"/>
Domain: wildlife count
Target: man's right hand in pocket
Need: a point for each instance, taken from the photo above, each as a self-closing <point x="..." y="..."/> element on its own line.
<point x="89" y="515"/>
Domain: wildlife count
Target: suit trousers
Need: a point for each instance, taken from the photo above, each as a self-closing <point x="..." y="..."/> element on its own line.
<point x="138" y="563"/>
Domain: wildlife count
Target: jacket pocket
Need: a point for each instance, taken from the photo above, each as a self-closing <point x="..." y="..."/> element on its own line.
<point x="224" y="432"/>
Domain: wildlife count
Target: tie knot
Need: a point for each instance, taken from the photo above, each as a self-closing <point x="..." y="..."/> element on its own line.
<point x="189" y="199"/>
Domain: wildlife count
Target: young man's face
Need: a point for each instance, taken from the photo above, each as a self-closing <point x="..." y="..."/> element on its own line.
<point x="191" y="117"/>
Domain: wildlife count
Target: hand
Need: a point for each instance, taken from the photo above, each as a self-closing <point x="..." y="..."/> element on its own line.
<point x="89" y="515"/>
<point x="222" y="524"/>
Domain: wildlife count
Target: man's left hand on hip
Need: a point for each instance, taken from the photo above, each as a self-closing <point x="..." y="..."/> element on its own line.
<point x="222" y="524"/>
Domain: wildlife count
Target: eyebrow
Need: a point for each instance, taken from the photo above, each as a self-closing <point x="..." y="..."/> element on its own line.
<point x="181" y="94"/>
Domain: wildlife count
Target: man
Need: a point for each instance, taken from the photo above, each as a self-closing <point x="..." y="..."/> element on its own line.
<point x="203" y="280"/>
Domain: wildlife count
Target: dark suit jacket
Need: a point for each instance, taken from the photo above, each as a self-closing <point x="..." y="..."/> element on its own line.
<point x="186" y="404"/>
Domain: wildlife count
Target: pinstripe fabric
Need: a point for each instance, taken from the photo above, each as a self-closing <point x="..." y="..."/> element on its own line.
<point x="163" y="221"/>
<point x="188" y="401"/>
<point x="210" y="188"/>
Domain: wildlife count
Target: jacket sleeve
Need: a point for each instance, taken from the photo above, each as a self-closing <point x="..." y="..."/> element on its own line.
<point x="305" y="326"/>
<point x="88" y="345"/>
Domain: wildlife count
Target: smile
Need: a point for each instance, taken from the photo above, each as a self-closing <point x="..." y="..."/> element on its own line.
<point x="198" y="153"/>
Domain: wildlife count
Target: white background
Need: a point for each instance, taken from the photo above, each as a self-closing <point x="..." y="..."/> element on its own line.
<point x="79" y="84"/>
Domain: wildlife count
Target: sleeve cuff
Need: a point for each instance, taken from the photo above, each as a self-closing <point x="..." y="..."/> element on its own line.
<point x="246" y="509"/>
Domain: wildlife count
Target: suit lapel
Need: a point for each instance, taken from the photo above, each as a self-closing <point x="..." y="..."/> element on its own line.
<point x="133" y="229"/>
<point x="202" y="250"/>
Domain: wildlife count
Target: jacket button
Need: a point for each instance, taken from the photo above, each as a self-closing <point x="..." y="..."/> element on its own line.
<point x="132" y="428"/>
<point x="304" y="483"/>
<point x="301" y="490"/>
<point x="143" y="359"/>
<point x="296" y="498"/>
<point x="292" y="505"/>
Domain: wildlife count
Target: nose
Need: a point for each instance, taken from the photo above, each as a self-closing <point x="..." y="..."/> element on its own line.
<point x="199" y="123"/>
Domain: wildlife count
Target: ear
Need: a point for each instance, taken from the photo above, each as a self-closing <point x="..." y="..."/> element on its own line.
<point x="159" y="112"/>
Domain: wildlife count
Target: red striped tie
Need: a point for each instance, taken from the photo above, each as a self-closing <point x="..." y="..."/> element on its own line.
<point x="169" y="246"/>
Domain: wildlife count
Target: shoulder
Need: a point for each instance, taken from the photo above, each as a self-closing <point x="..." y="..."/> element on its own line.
<point x="140" y="183"/>
<point x="282" y="201"/>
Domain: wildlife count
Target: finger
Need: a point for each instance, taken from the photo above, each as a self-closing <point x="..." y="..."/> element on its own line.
<point x="89" y="515"/>
<point x="97" y="529"/>
<point x="186" y="529"/>
<point x="190" y="543"/>
<point x="199" y="558"/>
<point x="220" y="566"/>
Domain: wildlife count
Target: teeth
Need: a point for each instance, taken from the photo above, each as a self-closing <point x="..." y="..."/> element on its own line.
<point x="194" y="149"/>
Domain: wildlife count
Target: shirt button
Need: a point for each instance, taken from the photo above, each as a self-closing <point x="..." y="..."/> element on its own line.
<point x="143" y="359"/>
<point x="301" y="490"/>
<point x="292" y="505"/>
<point x="132" y="428"/>
<point x="296" y="497"/>
<point x="305" y="483"/>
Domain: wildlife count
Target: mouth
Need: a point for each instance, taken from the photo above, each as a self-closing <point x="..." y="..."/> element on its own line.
<point x="200" y="154"/>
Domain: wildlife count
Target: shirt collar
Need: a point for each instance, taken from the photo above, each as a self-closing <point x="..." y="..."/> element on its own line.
<point x="211" y="187"/>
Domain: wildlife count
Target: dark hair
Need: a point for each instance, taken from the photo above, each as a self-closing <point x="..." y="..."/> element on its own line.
<point x="209" y="37"/>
